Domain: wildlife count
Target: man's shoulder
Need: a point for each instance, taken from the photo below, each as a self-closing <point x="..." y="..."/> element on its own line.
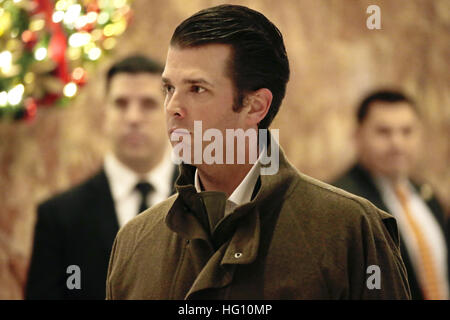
<point x="326" y="193"/>
<point x="326" y="200"/>
<point x="75" y="196"/>
<point x="352" y="178"/>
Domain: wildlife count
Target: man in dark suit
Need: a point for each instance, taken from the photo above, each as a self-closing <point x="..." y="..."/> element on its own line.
<point x="388" y="141"/>
<point x="75" y="230"/>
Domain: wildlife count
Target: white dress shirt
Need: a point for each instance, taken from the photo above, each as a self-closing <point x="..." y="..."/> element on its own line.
<point x="243" y="193"/>
<point x="122" y="181"/>
<point x="429" y="225"/>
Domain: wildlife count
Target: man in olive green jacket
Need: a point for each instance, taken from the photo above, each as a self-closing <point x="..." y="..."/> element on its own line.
<point x="297" y="239"/>
<point x="238" y="230"/>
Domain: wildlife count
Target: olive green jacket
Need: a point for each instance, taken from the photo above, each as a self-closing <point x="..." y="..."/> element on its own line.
<point x="298" y="238"/>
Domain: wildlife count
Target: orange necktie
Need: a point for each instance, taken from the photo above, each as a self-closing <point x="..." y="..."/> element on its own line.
<point x="428" y="274"/>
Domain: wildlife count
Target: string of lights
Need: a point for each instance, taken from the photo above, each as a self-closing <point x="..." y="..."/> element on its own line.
<point x="48" y="49"/>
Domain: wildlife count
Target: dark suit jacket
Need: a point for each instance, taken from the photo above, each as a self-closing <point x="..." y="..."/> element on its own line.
<point x="358" y="181"/>
<point x="77" y="227"/>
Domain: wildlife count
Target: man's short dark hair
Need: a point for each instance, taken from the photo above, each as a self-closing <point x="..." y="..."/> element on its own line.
<point x="259" y="56"/>
<point x="133" y="64"/>
<point x="390" y="96"/>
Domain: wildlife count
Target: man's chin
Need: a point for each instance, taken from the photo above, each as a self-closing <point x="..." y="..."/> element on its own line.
<point x="396" y="173"/>
<point x="135" y="157"/>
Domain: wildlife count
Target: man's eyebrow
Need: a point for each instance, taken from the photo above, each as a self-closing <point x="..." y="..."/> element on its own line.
<point x="127" y="97"/>
<point x="198" y="81"/>
<point x="190" y="81"/>
<point x="119" y="97"/>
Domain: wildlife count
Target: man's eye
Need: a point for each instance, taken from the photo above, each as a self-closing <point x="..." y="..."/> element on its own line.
<point x="382" y="131"/>
<point x="407" y="131"/>
<point x="167" y="88"/>
<point x="121" y="103"/>
<point x="198" y="89"/>
<point x="148" y="104"/>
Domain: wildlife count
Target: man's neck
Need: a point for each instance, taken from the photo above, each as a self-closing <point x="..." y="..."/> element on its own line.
<point x="393" y="179"/>
<point x="141" y="167"/>
<point x="224" y="178"/>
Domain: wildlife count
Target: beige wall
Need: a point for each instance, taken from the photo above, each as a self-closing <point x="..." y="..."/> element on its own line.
<point x="334" y="59"/>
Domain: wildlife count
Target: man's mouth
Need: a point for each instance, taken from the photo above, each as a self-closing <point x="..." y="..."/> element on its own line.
<point x="134" y="138"/>
<point x="178" y="131"/>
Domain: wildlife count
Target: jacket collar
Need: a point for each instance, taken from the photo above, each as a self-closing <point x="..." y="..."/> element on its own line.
<point x="241" y="229"/>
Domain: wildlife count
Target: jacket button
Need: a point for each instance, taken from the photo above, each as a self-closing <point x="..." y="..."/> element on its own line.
<point x="238" y="255"/>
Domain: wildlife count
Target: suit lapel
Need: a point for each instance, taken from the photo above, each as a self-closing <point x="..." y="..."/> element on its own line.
<point x="104" y="212"/>
<point x="369" y="189"/>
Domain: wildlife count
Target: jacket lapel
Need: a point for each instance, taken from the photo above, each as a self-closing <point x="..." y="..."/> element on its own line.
<point x="238" y="234"/>
<point x="241" y="249"/>
<point x="176" y="173"/>
<point x="368" y="188"/>
<point x="181" y="221"/>
<point x="105" y="213"/>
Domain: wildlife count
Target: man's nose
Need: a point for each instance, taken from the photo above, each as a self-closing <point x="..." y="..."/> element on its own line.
<point x="133" y="113"/>
<point x="174" y="106"/>
<point x="397" y="140"/>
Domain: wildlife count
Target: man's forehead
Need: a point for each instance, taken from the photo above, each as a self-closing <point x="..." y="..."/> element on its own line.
<point x="125" y="77"/>
<point x="199" y="62"/>
<point x="380" y="110"/>
<point x="138" y="81"/>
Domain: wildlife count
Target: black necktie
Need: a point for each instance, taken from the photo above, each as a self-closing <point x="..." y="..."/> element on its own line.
<point x="144" y="189"/>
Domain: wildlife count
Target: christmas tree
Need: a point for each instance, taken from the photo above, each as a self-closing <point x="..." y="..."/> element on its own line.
<point x="48" y="49"/>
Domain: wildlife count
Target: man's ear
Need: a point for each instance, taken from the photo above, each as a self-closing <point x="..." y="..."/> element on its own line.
<point x="257" y="105"/>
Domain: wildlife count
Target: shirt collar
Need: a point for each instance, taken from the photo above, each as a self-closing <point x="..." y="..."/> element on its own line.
<point x="243" y="193"/>
<point x="161" y="174"/>
<point x="384" y="183"/>
<point x="123" y="180"/>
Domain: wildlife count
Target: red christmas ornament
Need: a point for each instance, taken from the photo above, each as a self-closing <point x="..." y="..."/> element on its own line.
<point x="48" y="99"/>
<point x="29" y="38"/>
<point x="58" y="41"/>
<point x="30" y="109"/>
<point x="93" y="6"/>
<point x="44" y="6"/>
<point x="57" y="51"/>
<point x="88" y="27"/>
<point x="79" y="76"/>
<point x="57" y="47"/>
